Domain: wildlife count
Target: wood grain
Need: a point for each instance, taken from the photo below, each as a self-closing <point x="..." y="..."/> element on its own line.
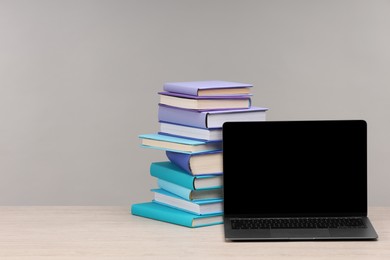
<point x="78" y="232"/>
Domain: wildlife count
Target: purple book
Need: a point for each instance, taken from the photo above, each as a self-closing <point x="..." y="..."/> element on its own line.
<point x="181" y="160"/>
<point x="209" y="119"/>
<point x="205" y="163"/>
<point x="187" y="96"/>
<point x="208" y="88"/>
<point x="204" y="102"/>
<point x="172" y="94"/>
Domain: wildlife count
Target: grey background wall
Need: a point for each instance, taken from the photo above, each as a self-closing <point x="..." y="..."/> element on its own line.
<point x="78" y="83"/>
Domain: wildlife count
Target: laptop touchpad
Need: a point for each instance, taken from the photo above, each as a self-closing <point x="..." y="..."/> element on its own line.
<point x="300" y="233"/>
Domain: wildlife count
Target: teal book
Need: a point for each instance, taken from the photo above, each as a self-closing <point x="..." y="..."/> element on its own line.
<point x="202" y="207"/>
<point x="189" y="194"/>
<point x="168" y="171"/>
<point x="153" y="210"/>
<point x="178" y="144"/>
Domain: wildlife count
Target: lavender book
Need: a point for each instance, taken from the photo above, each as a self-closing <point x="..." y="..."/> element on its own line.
<point x="211" y="118"/>
<point x="208" y="88"/>
<point x="204" y="102"/>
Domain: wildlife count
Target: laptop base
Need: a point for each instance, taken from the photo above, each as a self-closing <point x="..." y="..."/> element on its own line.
<point x="367" y="233"/>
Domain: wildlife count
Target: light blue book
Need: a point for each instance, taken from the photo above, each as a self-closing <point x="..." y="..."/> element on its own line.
<point x="168" y="171"/>
<point x="189" y="194"/>
<point x="163" y="213"/>
<point x="178" y="144"/>
<point x="203" y="207"/>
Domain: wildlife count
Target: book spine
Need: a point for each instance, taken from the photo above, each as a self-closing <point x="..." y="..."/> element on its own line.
<point x="169" y="172"/>
<point x="182" y="160"/>
<point x="179" y="89"/>
<point x="161" y="213"/>
<point x="182" y="116"/>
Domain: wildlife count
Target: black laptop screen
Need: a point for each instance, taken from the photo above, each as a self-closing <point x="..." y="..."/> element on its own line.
<point x="295" y="168"/>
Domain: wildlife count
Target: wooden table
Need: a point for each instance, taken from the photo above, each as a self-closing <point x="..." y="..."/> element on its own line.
<point x="113" y="233"/>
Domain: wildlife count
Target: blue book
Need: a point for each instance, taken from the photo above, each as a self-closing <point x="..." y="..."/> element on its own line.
<point x="203" y="207"/>
<point x="163" y="213"/>
<point x="178" y="144"/>
<point x="198" y="164"/>
<point x="188" y="194"/>
<point x="170" y="172"/>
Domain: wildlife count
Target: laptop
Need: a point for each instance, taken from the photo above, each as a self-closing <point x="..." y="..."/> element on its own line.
<point x="295" y="180"/>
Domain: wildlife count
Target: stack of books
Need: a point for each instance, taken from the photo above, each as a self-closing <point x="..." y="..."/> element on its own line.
<point x="189" y="183"/>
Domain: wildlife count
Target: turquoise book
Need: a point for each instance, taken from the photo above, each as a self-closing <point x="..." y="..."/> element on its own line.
<point x="202" y="207"/>
<point x="188" y="194"/>
<point x="178" y="144"/>
<point x="168" y="171"/>
<point x="153" y="210"/>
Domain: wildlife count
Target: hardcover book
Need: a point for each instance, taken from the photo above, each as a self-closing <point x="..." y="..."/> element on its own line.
<point x="203" y="207"/>
<point x="170" y="172"/>
<point x="197" y="164"/>
<point x="208" y="88"/>
<point x="164" y="213"/>
<point x="204" y="102"/>
<point x="209" y="119"/>
<point x="189" y="194"/>
<point x="208" y="134"/>
<point x="178" y="144"/>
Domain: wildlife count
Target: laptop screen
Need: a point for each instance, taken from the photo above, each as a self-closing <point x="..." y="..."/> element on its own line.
<point x="295" y="168"/>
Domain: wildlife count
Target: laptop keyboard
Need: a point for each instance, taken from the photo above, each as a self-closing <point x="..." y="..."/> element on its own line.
<point x="279" y="223"/>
